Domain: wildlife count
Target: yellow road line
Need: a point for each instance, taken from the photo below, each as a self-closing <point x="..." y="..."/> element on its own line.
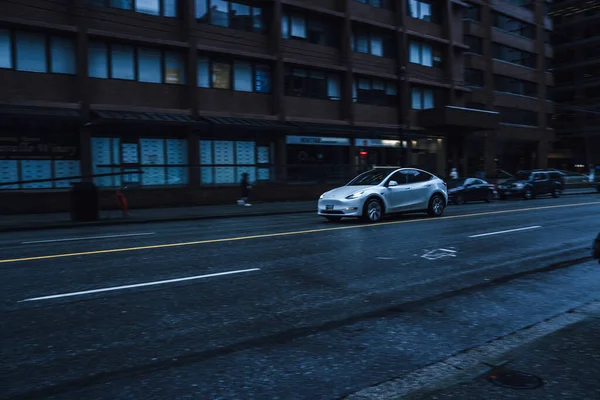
<point x="280" y="234"/>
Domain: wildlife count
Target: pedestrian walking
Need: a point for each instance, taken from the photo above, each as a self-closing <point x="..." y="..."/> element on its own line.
<point x="245" y="187"/>
<point x="454" y="174"/>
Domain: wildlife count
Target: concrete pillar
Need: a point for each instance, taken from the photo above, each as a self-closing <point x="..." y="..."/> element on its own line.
<point x="352" y="167"/>
<point x="489" y="158"/>
<point x="277" y="104"/>
<point x="542" y="154"/>
<point x="193" y="159"/>
<point x="464" y="172"/>
<point x="441" y="158"/>
<point x="411" y="158"/>
<point x="281" y="160"/>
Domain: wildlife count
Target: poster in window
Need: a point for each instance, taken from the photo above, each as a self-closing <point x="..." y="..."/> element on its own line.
<point x="152" y="153"/>
<point x="221" y="75"/>
<point x="66" y="169"/>
<point x="206" y="158"/>
<point x="101" y="155"/>
<point x="264" y="174"/>
<point x="177" y="155"/>
<point x="172" y="75"/>
<point x="263" y="155"/>
<point x="129" y="153"/>
<point x="9" y="173"/>
<point x="36" y="169"/>
<point x="245" y="153"/>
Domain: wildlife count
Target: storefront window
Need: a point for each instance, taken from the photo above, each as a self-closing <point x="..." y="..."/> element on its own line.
<point x="224" y="162"/>
<point x="161" y="162"/>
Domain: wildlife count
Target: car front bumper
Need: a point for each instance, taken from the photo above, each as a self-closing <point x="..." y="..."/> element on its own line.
<point x="340" y="207"/>
<point x="511" y="192"/>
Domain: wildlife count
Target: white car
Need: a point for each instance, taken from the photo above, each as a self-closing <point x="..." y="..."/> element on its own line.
<point x="381" y="191"/>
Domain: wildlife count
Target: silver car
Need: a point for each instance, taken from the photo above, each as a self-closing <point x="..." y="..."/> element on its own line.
<point x="381" y="191"/>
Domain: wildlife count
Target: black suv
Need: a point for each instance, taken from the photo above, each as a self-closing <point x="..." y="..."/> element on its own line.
<point x="529" y="184"/>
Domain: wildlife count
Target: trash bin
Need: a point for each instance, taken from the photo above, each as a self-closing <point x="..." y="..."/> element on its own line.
<point x="84" y="202"/>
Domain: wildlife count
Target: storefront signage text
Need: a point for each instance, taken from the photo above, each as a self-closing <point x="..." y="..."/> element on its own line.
<point x="19" y="147"/>
<point x="379" y="143"/>
<point x="314" y="140"/>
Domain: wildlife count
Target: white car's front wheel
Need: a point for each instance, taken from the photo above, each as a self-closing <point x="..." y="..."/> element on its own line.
<point x="373" y="211"/>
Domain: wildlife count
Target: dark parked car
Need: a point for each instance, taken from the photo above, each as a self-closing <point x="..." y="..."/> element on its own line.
<point x="596" y="181"/>
<point x="463" y="190"/>
<point x="529" y="184"/>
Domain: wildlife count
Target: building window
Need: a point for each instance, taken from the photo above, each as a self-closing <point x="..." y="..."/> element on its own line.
<point x="144" y="64"/>
<point x="387" y="4"/>
<point x="162" y="161"/>
<point x="5" y="49"/>
<point x="474" y="77"/>
<point x="375" y="91"/>
<point x="149" y="65"/>
<point x="421" y="98"/>
<point x="421" y="53"/>
<point x="301" y="27"/>
<point x="514" y="26"/>
<point x="224" y="162"/>
<point x="165" y="8"/>
<point x="230" y="14"/>
<point x="475" y="44"/>
<point x="374" y="43"/>
<point x="515" y="56"/>
<point x="420" y="9"/>
<point x="472" y="13"/>
<point x="517" y="116"/>
<point x="36" y="52"/>
<point x="239" y="75"/>
<point x="122" y="62"/>
<point x="31" y="52"/>
<point x="515" y="86"/>
<point x="312" y="83"/>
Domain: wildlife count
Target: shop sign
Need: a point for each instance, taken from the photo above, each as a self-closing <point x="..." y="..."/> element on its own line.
<point x="379" y="143"/>
<point x="19" y="147"/>
<point x="320" y="141"/>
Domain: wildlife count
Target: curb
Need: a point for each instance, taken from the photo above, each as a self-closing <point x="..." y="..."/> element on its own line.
<point x="131" y="221"/>
<point x="469" y="364"/>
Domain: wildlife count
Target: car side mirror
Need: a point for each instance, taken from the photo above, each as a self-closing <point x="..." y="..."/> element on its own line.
<point x="392" y="183"/>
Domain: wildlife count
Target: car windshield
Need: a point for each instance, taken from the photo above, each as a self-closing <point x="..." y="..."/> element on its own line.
<point x="370" y="178"/>
<point x="522" y="176"/>
<point x="453" y="183"/>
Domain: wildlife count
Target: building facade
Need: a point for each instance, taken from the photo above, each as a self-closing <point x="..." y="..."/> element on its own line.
<point x="508" y="70"/>
<point x="576" y="41"/>
<point x="175" y="99"/>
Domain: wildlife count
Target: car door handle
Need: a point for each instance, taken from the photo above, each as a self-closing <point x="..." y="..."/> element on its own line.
<point x="428" y="185"/>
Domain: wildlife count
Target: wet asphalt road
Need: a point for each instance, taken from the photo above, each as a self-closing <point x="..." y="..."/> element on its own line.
<point x="305" y="311"/>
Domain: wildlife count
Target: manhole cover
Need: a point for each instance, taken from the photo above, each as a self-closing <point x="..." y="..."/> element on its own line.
<point x="515" y="380"/>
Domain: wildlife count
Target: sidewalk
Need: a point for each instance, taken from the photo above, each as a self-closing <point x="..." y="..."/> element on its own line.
<point x="11" y="223"/>
<point x="567" y="361"/>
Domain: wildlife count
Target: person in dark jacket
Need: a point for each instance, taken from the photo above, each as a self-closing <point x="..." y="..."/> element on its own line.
<point x="245" y="186"/>
<point x="596" y="250"/>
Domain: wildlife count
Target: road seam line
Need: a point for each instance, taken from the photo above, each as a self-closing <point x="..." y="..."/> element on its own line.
<point x="506" y="231"/>
<point x="282" y="234"/>
<point x="90" y="238"/>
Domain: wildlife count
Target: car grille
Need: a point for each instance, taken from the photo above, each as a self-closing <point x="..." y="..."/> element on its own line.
<point x="332" y="212"/>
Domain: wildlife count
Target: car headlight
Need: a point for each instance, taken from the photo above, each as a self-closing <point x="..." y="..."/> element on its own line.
<point x="356" y="195"/>
<point x="323" y="195"/>
<point x="519" y="185"/>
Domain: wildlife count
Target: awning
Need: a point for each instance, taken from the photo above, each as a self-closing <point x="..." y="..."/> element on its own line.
<point x="351" y="130"/>
<point x="459" y="118"/>
<point x="143" y="117"/>
<point x="48" y="112"/>
<point x="248" y="122"/>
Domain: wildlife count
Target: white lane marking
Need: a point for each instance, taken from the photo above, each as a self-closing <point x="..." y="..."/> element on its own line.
<point x="137" y="285"/>
<point x="89" y="238"/>
<point x="438" y="253"/>
<point x="507" y="231"/>
<point x="451" y="251"/>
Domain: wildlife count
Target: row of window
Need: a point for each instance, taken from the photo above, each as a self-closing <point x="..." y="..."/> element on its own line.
<point x="230" y="14"/>
<point x="513" y="55"/>
<point x="143" y="64"/>
<point x="164" y="8"/>
<point x="369" y="42"/>
<point x="313" y="30"/>
<point x="375" y="91"/>
<point x="518" y="116"/>
<point x="424" y="54"/>
<point x="36" y="52"/>
<point x="514" y="26"/>
<point x="302" y="82"/>
<point x="243" y="76"/>
<point x="475" y="77"/>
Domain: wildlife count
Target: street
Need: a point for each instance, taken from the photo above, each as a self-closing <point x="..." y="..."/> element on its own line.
<point x="281" y="307"/>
